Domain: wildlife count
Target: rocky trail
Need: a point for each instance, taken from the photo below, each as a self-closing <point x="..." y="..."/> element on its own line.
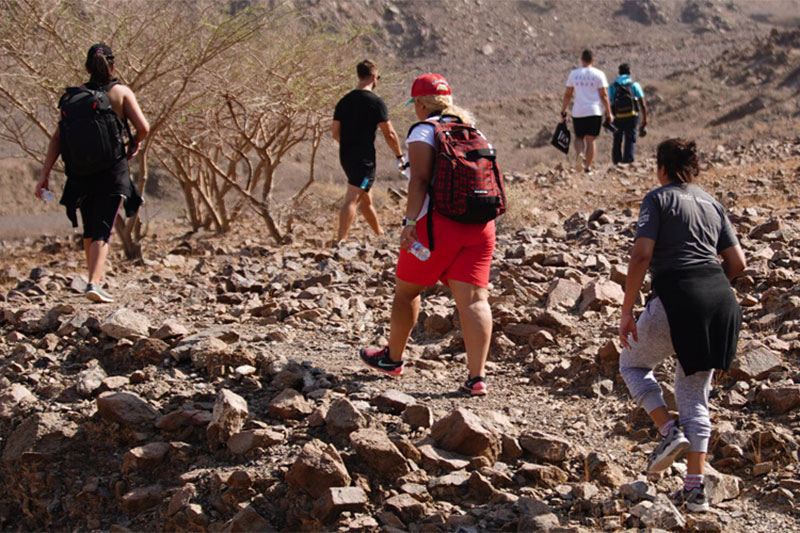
<point x="223" y="391"/>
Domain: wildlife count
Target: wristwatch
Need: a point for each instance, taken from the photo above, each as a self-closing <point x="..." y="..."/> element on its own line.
<point x="407" y="222"/>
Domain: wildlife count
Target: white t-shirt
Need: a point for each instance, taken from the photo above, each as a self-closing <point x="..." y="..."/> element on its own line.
<point x="422" y="133"/>
<point x="586" y="81"/>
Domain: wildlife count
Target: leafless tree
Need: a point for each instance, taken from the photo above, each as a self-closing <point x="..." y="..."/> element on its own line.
<point x="228" y="92"/>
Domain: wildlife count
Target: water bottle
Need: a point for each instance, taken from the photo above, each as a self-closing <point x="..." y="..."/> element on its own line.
<point x="419" y="251"/>
<point x="47" y="195"/>
<point x="402" y="166"/>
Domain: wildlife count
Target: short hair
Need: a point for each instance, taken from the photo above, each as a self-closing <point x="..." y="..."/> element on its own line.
<point x="624" y="69"/>
<point x="587" y="56"/>
<point x="366" y="69"/>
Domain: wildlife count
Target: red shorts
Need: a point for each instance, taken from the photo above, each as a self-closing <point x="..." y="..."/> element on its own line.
<point x="463" y="252"/>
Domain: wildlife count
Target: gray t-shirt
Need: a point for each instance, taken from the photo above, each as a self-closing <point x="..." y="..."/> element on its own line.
<point x="689" y="226"/>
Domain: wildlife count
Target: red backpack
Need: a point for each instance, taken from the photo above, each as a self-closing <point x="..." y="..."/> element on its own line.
<point x="466" y="185"/>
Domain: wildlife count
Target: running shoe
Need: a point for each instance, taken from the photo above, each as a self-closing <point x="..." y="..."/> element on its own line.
<point x="475" y="386"/>
<point x="379" y="360"/>
<point x="96" y="294"/>
<point x="695" y="500"/>
<point x="587" y="171"/>
<point x="579" y="161"/>
<point x="670" y="448"/>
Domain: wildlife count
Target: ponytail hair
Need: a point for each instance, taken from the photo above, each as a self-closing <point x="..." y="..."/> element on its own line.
<point x="444" y="103"/>
<point x="678" y="157"/>
<point x="100" y="63"/>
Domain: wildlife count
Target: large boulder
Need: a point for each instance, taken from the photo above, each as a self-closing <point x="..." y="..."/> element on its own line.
<point x="464" y="432"/>
<point x="318" y="468"/>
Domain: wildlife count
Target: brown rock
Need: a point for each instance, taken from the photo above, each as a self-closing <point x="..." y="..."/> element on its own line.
<point x="406" y="506"/>
<point x="244" y="441"/>
<point x="126" y="408"/>
<point x="318" y="467"/>
<point x="181" y="499"/>
<point x="600" y="293"/>
<point x="433" y="459"/>
<point x="337" y="500"/>
<point x="780" y="400"/>
<point x="464" y="432"/>
<point x="170" y="330"/>
<point x="380" y="453"/>
<point x="418" y="416"/>
<point x="393" y="401"/>
<point x="544" y="447"/>
<point x="137" y="500"/>
<point x="546" y="475"/>
<point x="535" y="515"/>
<point x="343" y="418"/>
<point x="228" y="418"/>
<point x="755" y="361"/>
<point x="248" y="520"/>
<point x="144" y="457"/>
<point x="598" y="467"/>
<point x="290" y="404"/>
<point x="43" y="435"/>
<point x="125" y="324"/>
<point x="563" y="294"/>
<point x="149" y="350"/>
<point x="511" y="449"/>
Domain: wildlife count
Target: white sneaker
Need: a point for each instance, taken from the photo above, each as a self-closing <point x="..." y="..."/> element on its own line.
<point x="670" y="448"/>
<point x="95" y="293"/>
<point x="579" y="161"/>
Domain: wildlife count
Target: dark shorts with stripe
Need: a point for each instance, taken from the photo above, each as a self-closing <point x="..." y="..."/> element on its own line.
<point x="361" y="176"/>
<point x="587" y="126"/>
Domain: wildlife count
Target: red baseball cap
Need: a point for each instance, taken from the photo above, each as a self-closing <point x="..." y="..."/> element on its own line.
<point x="429" y="84"/>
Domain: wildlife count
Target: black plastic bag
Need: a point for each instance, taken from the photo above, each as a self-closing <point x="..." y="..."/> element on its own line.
<point x="561" y="137"/>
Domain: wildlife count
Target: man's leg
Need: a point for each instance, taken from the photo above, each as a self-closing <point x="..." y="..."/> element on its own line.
<point x="589" y="139"/>
<point x="476" y="323"/>
<point x="98" y="251"/>
<point x="579" y="146"/>
<point x="616" y="149"/>
<point x="630" y="142"/>
<point x="348" y="211"/>
<point x="405" y="310"/>
<point x="369" y="212"/>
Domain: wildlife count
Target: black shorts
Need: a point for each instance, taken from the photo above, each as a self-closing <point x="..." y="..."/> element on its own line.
<point x="587" y="125"/>
<point x="98" y="213"/>
<point x="360" y="176"/>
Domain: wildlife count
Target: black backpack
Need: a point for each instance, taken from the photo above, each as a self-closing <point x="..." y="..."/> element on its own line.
<point x="91" y="133"/>
<point x="624" y="103"/>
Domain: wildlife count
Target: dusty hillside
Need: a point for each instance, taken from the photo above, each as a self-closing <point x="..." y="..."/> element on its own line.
<point x="222" y="391"/>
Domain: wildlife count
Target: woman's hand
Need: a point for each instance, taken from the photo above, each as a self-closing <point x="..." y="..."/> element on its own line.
<point x="627" y="327"/>
<point x="43" y="183"/>
<point x="408" y="236"/>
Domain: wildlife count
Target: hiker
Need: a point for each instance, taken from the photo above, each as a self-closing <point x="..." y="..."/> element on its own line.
<point x="356" y="117"/>
<point x="693" y="312"/>
<point x="627" y="98"/>
<point x="98" y="179"/>
<point x="588" y="84"/>
<point x="460" y="253"/>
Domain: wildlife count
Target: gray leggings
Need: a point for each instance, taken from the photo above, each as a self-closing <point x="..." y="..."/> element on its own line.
<point x="691" y="392"/>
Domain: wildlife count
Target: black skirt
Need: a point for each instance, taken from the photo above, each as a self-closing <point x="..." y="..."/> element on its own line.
<point x="703" y="314"/>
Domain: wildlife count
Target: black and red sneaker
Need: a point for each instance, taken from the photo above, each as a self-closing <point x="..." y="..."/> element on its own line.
<point x="379" y="360"/>
<point x="475" y="386"/>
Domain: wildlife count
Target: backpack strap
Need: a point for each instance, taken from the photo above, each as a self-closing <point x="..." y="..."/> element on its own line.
<point x="107" y="87"/>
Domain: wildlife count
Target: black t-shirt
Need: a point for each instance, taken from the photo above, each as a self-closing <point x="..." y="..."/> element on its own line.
<point x="359" y="112"/>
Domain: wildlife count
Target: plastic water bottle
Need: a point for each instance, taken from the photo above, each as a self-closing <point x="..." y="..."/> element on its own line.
<point x="47" y="195"/>
<point x="402" y="166"/>
<point x="419" y="251"/>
